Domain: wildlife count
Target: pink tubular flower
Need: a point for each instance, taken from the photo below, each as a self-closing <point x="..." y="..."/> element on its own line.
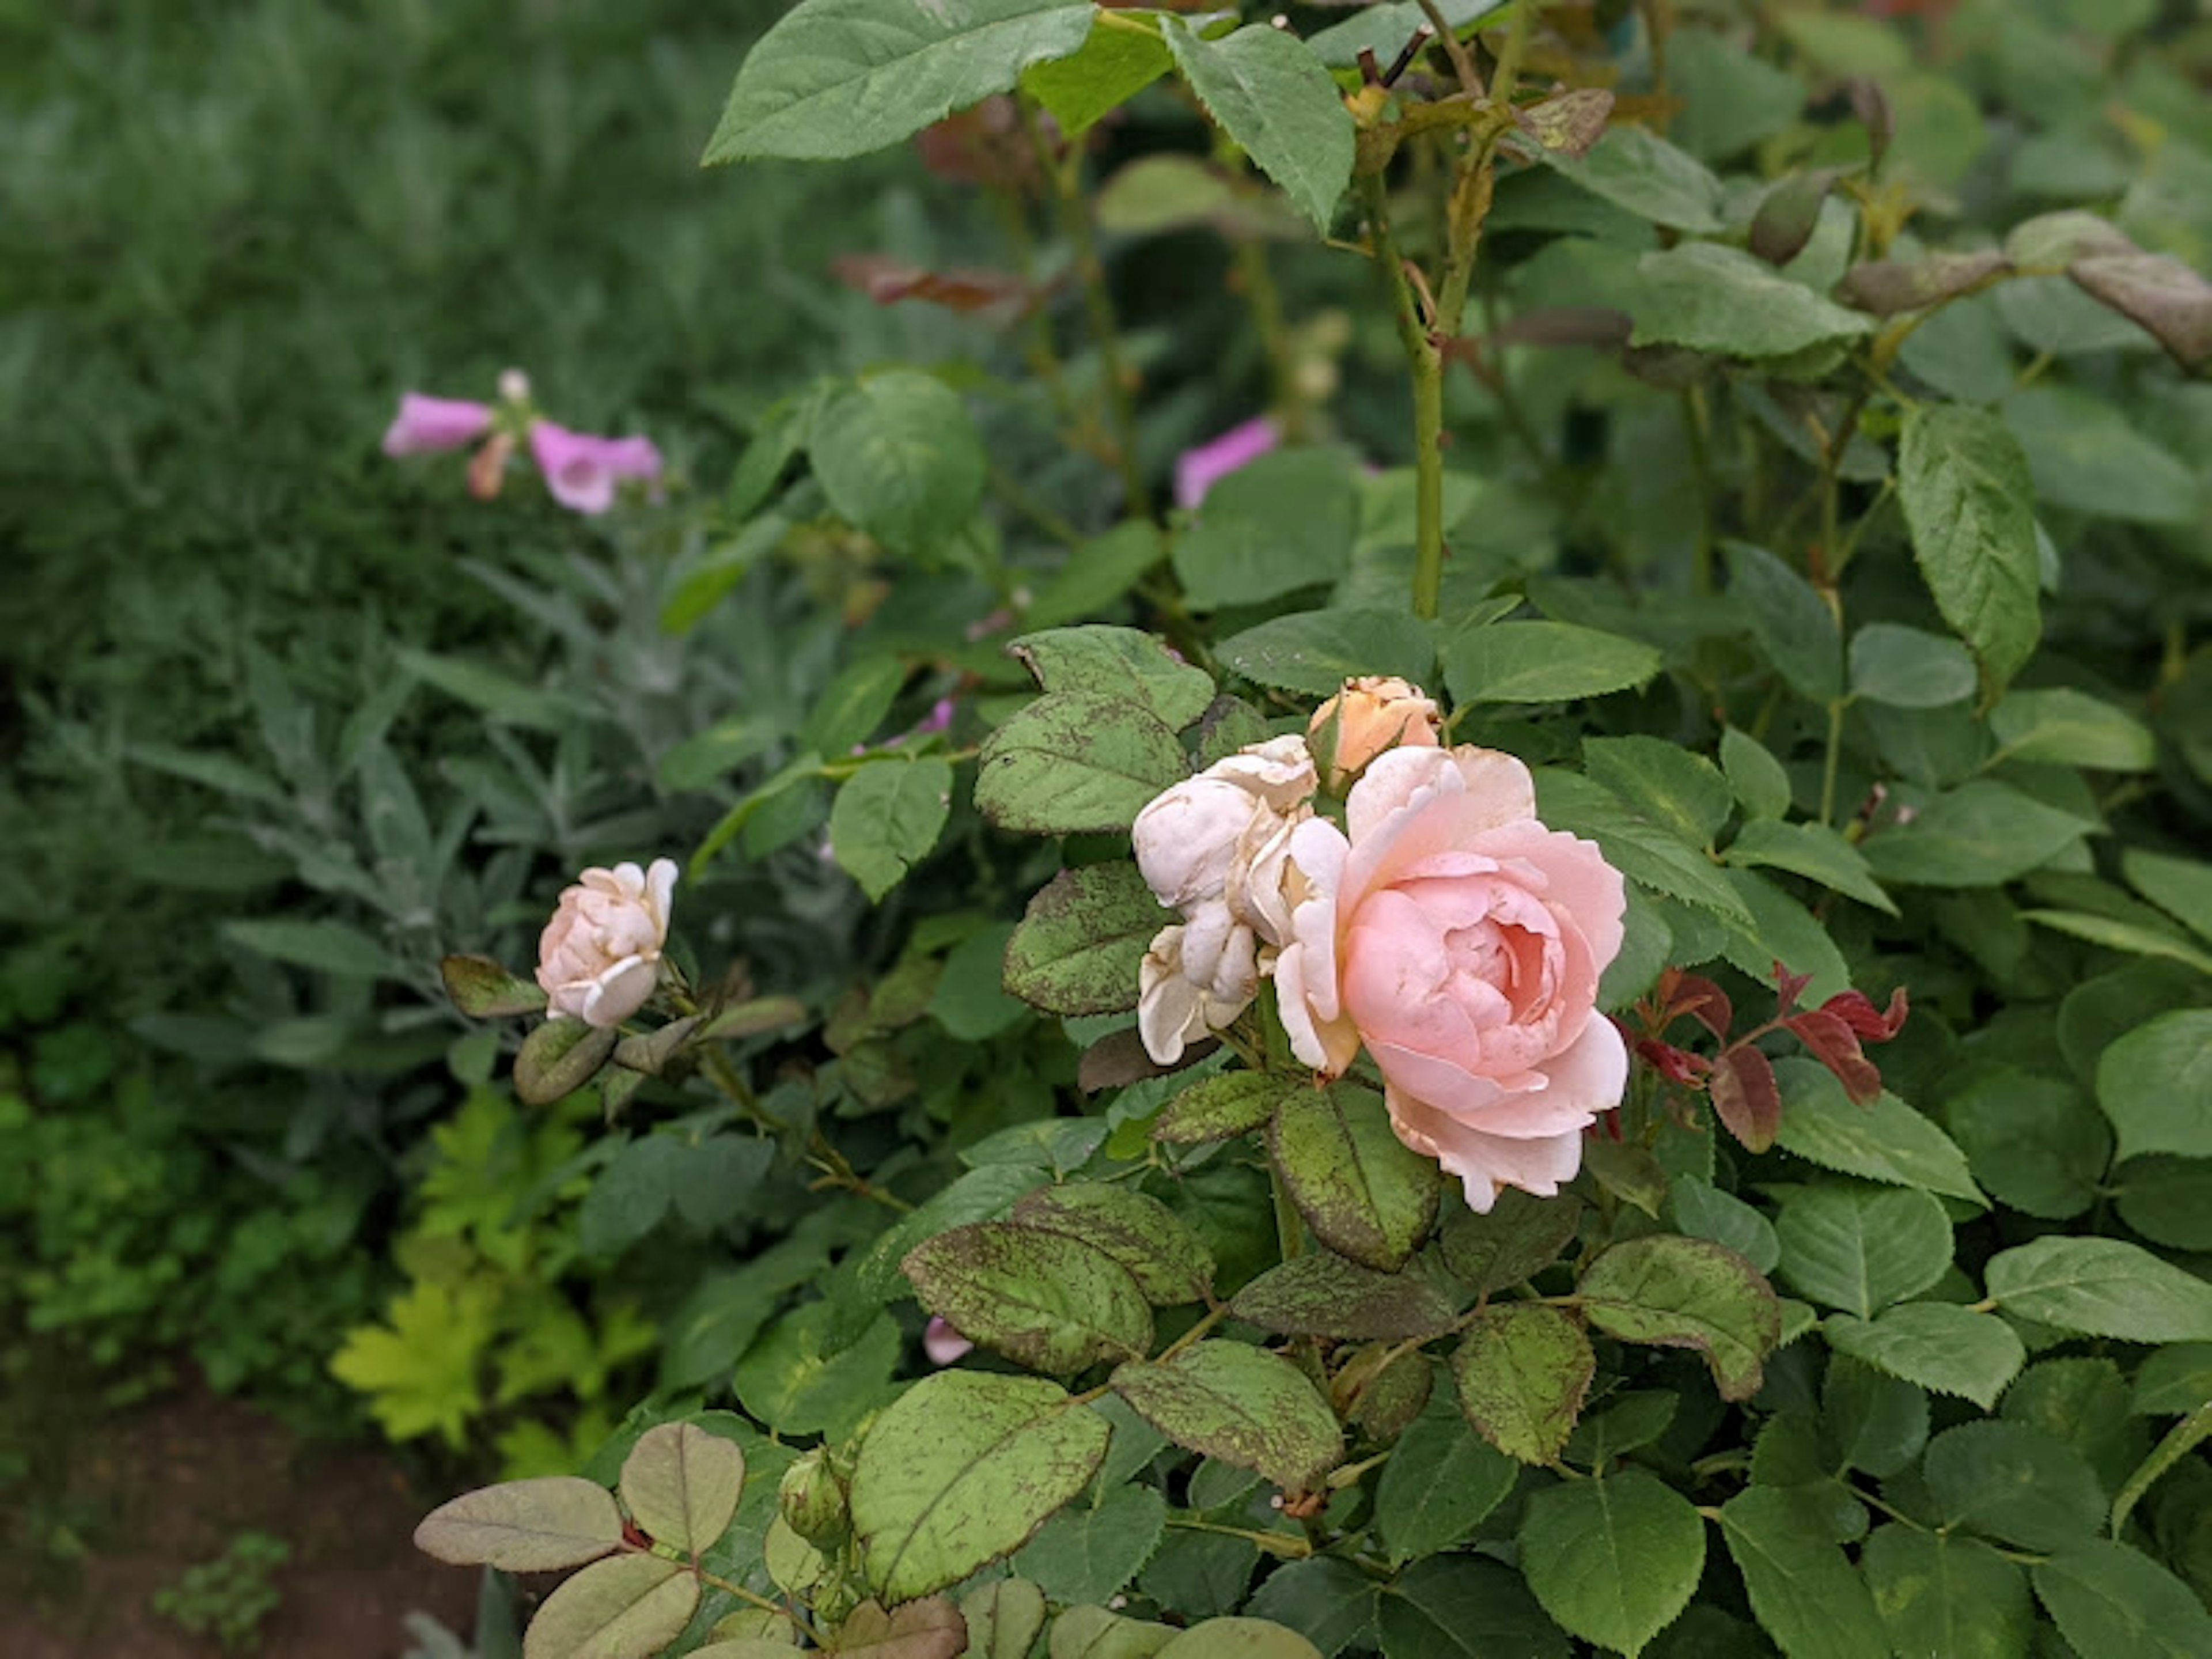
<point x="426" y="425"/>
<point x="582" y="471"/>
<point x="1197" y="471"/>
<point x="1461" y="941"/>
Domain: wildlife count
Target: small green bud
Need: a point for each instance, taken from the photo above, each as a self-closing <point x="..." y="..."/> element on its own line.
<point x="812" y="1500"/>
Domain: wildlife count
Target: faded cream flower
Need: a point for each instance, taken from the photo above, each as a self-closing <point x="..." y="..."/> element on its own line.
<point x="599" y="958"/>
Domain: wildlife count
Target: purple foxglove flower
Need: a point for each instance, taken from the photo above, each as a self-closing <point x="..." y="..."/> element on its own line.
<point x="1197" y="471"/>
<point x="943" y="1344"/>
<point x="582" y="471"/>
<point x="427" y="424"/>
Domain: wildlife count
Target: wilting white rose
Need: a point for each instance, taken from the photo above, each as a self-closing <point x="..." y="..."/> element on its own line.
<point x="1215" y="848"/>
<point x="1196" y="978"/>
<point x="599" y="958"/>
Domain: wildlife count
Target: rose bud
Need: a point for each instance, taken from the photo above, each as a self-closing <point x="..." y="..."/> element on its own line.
<point x="1371" y="715"/>
<point x="599" y="958"/>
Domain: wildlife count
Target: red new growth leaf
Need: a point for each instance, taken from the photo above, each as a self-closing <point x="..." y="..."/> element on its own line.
<point x="1833" y="1045"/>
<point x="1745" y="1097"/>
<point x="1704" y="1002"/>
<point x="1868" y="1023"/>
<point x="1789" y="988"/>
<point x="1673" y="1064"/>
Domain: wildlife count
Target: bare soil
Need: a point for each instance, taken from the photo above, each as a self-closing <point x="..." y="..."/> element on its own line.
<point x="140" y="1496"/>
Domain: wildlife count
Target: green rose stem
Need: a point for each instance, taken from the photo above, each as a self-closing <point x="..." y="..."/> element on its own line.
<point x="1423" y="330"/>
<point x="1074" y="212"/>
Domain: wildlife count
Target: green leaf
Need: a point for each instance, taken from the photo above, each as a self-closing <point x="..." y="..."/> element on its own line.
<point x="1383" y="29"/>
<point x="1285" y="522"/>
<point x="1200" y="1574"/>
<point x="1458" y="1607"/>
<point x="929" y="1629"/>
<point x="625" y="1608"/>
<point x="1982" y="834"/>
<point x="2116" y="934"/>
<point x="1875" y="1423"/>
<point x="523" y="1525"/>
<point x="2168" y="1200"/>
<point x="629" y="1198"/>
<point x="487" y="691"/>
<point x="1760" y="784"/>
<point x="1613" y="1560"/>
<point x="1095" y="1633"/>
<point x="1083" y="939"/>
<point x="1240" y="1404"/>
<point x="1331" y="1603"/>
<point x="1088" y="1553"/>
<point x="1315" y="651"/>
<point x="328" y="947"/>
<point x="809" y="1372"/>
<point x="1937" y="1345"/>
<point x="2014" y="1483"/>
<point x="1113" y="66"/>
<point x="961" y="1469"/>
<point x="484" y="989"/>
<point x="2108" y="1598"/>
<point x="1005" y="1619"/>
<point x="1794" y="626"/>
<point x="1907" y="668"/>
<point x="1806" y="1594"/>
<point x="2083" y="455"/>
<point x="1044" y="1300"/>
<point x="897" y="454"/>
<point x="852" y="706"/>
<point x="560" y="1057"/>
<point x="1072" y="762"/>
<point x="1121" y="664"/>
<point x="1222" y="1108"/>
<point x="1169" y="1261"/>
<point x="2155" y="1085"/>
<point x="2101" y="1288"/>
<point x="1272" y="96"/>
<point x="1636" y="170"/>
<point x="887" y="818"/>
<point x="2183" y="1438"/>
<point x="838" y="78"/>
<point x="1440" y="1483"/>
<point x="1635" y="846"/>
<point x="1813" y="851"/>
<point x="2174" y="1379"/>
<point x="1104" y="568"/>
<point x="1239" y="1638"/>
<point x="1542" y="662"/>
<point x="1942" y="1595"/>
<point x="1887" y="1142"/>
<point x="1520" y="1236"/>
<point x="1361" y="1191"/>
<point x="1523" y="1370"/>
<point x="1861" y="1248"/>
<point x="1969" y="506"/>
<point x="2180" y="887"/>
<point x="2066" y="727"/>
<point x="1713" y="298"/>
<point x="1702" y="1211"/>
<point x="1322" y="1294"/>
<point x="1686" y="1293"/>
<point x="1666" y="783"/>
<point x="2033" y="1141"/>
<point x="796" y="773"/>
<point x="681" y="1484"/>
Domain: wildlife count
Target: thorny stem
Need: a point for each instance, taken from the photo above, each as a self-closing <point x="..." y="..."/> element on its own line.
<point x="1074" y="215"/>
<point x="1288" y="1545"/>
<point x="1260" y="294"/>
<point x="1462" y="61"/>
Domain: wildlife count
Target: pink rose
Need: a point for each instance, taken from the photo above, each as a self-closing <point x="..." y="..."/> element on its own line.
<point x="582" y="471"/>
<point x="1197" y="471"/>
<point x="424" y="425"/>
<point x="1461" y="941"/>
<point x="599" y="958"/>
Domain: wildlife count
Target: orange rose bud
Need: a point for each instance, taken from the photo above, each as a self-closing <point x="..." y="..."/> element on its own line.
<point x="1371" y="714"/>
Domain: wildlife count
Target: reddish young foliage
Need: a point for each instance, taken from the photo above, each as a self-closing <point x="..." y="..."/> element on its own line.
<point x="1832" y="1043"/>
<point x="887" y="281"/>
<point x="1675" y="1065"/>
<point x="1869" y="1023"/>
<point x="1745" y="1097"/>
